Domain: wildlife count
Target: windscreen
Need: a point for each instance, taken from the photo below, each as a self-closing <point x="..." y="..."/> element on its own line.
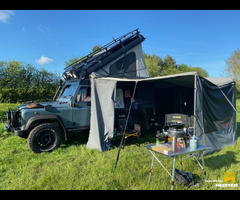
<point x="68" y="90"/>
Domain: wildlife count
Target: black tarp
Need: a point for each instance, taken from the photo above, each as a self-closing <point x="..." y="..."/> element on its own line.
<point x="218" y="120"/>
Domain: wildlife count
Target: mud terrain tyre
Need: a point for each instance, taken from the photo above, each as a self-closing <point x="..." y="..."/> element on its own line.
<point x="44" y="138"/>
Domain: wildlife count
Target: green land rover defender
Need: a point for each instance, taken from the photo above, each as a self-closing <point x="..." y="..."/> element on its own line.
<point x="46" y="124"/>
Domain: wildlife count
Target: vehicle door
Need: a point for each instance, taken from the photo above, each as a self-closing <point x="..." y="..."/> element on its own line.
<point x="81" y="108"/>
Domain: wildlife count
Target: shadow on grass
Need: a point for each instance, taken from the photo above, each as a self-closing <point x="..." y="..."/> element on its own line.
<point x="219" y="161"/>
<point x="78" y="138"/>
<point x="147" y="137"/>
<point x="81" y="138"/>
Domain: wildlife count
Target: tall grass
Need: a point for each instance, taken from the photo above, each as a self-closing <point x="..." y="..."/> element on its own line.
<point x="74" y="167"/>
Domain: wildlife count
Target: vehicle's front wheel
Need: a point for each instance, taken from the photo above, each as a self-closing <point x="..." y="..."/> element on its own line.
<point x="44" y="138"/>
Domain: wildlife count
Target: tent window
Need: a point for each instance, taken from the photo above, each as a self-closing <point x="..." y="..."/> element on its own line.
<point x="119" y="101"/>
<point x="216" y="119"/>
<point x="125" y="65"/>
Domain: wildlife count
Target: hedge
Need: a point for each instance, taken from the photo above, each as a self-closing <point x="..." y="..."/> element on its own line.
<point x="14" y="95"/>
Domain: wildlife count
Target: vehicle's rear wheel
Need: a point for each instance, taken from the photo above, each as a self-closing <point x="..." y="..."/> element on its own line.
<point x="44" y="138"/>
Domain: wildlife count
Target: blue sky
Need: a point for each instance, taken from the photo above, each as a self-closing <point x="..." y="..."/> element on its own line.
<point x="48" y="38"/>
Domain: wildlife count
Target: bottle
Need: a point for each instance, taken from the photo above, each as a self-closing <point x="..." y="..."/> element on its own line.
<point x="157" y="142"/>
<point x="174" y="143"/>
<point x="193" y="142"/>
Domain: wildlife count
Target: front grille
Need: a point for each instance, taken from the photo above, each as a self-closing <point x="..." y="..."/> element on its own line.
<point x="13" y="118"/>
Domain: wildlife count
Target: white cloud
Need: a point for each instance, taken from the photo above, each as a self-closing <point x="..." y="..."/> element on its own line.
<point x="44" y="60"/>
<point x="5" y="15"/>
<point x="43" y="29"/>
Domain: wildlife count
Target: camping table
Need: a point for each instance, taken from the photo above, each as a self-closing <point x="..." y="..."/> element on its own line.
<point x="174" y="155"/>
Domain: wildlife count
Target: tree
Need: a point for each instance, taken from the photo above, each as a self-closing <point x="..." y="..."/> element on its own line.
<point x="169" y="63"/>
<point x="154" y="64"/>
<point x="199" y="70"/>
<point x="96" y="48"/>
<point x="72" y="60"/>
<point x="233" y="68"/>
<point x="76" y="59"/>
<point x="183" y="68"/>
<point x="160" y="67"/>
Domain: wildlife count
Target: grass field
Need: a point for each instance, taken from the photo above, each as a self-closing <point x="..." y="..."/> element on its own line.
<point x="74" y="167"/>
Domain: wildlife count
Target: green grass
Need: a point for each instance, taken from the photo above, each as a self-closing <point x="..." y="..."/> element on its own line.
<point x="74" y="167"/>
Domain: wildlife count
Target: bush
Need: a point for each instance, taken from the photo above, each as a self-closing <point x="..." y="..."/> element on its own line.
<point x="14" y="95"/>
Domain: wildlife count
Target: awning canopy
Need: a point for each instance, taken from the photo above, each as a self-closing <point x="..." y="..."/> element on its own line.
<point x="212" y="105"/>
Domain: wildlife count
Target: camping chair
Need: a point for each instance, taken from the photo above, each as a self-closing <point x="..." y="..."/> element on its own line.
<point x="132" y="129"/>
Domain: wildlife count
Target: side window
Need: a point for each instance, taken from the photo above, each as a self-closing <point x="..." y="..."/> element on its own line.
<point x="84" y="94"/>
<point x="125" y="65"/>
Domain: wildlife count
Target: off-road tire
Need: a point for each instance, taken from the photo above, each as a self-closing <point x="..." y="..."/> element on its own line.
<point x="44" y="138"/>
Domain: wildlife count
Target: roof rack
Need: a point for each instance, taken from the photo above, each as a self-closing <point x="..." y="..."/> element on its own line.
<point x="88" y="62"/>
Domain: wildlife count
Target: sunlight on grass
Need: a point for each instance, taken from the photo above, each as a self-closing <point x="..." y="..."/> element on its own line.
<point x="74" y="167"/>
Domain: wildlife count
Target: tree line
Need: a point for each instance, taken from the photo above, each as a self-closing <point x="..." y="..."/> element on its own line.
<point x="20" y="82"/>
<point x="160" y="67"/>
<point x="233" y="69"/>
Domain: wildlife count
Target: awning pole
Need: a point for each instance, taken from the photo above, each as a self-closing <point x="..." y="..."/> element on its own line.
<point x="195" y="99"/>
<point x="227" y="99"/>
<point x="123" y="137"/>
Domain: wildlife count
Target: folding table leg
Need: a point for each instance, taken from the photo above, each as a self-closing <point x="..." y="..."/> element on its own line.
<point x="149" y="179"/>
<point x="203" y="164"/>
<point x="181" y="163"/>
<point x="173" y="172"/>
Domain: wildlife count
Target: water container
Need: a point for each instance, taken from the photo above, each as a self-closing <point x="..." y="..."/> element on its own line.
<point x="193" y="142"/>
<point x="157" y="142"/>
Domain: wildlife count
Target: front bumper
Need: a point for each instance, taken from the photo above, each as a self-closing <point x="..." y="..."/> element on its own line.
<point x="7" y="127"/>
<point x="16" y="131"/>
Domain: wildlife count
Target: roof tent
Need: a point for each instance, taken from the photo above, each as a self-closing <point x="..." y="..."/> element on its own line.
<point x="123" y="57"/>
<point x="209" y="102"/>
